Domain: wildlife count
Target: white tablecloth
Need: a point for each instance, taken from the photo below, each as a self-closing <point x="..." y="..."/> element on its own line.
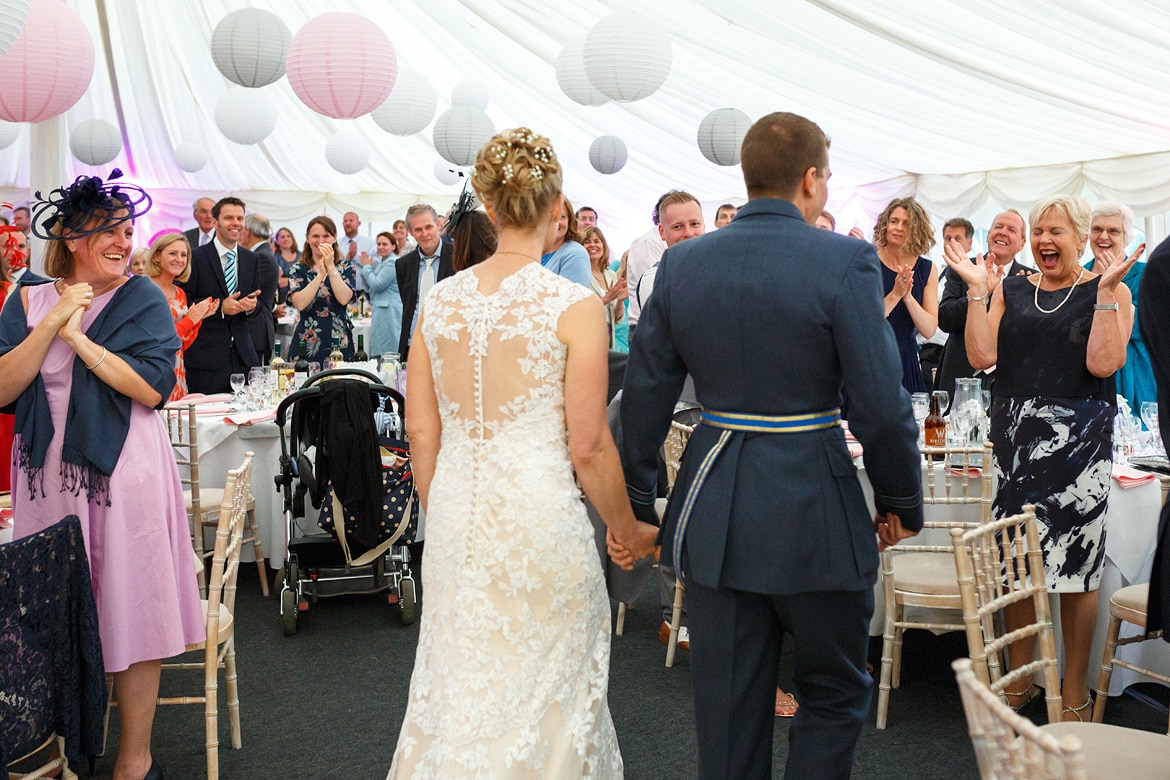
<point x="1130" y="537"/>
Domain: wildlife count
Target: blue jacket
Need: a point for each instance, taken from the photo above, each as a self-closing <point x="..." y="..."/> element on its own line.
<point x="772" y="316"/>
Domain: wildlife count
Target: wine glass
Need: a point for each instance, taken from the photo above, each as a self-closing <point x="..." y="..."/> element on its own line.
<point x="920" y="403"/>
<point x="314" y="367"/>
<point x="237" y="382"/>
<point x="1150" y="418"/>
<point x="944" y="401"/>
<point x="986" y="401"/>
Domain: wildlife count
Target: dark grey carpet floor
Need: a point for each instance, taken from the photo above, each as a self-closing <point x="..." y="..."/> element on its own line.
<point x="328" y="702"/>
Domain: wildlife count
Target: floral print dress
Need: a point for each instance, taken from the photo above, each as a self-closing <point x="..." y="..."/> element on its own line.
<point x="324" y="319"/>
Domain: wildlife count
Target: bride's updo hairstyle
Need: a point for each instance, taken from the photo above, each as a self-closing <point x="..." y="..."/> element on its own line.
<point x="517" y="174"/>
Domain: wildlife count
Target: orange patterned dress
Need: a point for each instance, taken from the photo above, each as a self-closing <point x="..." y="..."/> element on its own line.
<point x="187" y="331"/>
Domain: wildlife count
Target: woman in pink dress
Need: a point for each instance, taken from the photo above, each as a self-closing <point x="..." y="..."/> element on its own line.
<point x="169" y="261"/>
<point x="86" y="358"/>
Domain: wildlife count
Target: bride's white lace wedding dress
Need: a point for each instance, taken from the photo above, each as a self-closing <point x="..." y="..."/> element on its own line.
<point x="513" y="656"/>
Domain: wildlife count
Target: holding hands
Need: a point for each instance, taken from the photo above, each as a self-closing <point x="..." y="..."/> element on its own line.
<point x="637" y="544"/>
<point x="889" y="530"/>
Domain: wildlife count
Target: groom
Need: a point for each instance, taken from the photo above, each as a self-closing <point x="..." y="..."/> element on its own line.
<point x="767" y="524"/>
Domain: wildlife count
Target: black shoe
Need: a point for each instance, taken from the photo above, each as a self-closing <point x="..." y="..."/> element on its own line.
<point x="155" y="772"/>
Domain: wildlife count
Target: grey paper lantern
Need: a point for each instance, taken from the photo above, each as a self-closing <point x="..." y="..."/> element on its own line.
<point x="445" y="173"/>
<point x="191" y="156"/>
<point x="13" y="14"/>
<point x="411" y="105"/>
<point x="608" y="154"/>
<point x="721" y="134"/>
<point x="572" y="78"/>
<point x="470" y="94"/>
<point x="249" y="47"/>
<point x="95" y="141"/>
<point x="627" y="56"/>
<point x="244" y="116"/>
<point x="348" y="151"/>
<point x="460" y="132"/>
<point x="9" y="132"/>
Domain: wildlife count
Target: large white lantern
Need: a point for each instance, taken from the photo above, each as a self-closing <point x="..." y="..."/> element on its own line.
<point x="627" y="56"/>
<point x="244" y="116"/>
<point x="721" y="134"/>
<point x="191" y="156"/>
<point x="608" y="154"/>
<point x="470" y="94"/>
<point x="445" y="173"/>
<point x="347" y="151"/>
<point x="9" y="132"/>
<point x="13" y="14"/>
<point x="460" y="133"/>
<point x="341" y="65"/>
<point x="572" y="78"/>
<point x="411" y="105"/>
<point x="95" y="141"/>
<point x="249" y="47"/>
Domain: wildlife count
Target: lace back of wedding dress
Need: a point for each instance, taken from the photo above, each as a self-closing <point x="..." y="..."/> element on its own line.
<point x="513" y="660"/>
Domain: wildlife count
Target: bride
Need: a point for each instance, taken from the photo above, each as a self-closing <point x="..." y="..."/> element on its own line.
<point x="506" y="416"/>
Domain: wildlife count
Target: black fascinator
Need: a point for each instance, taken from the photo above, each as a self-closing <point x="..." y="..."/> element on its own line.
<point x="466" y="204"/>
<point x="67" y="210"/>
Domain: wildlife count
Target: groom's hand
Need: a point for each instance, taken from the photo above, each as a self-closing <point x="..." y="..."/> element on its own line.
<point x="618" y="553"/>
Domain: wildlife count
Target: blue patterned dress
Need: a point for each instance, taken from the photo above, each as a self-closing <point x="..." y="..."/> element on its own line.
<point x="324" y="319"/>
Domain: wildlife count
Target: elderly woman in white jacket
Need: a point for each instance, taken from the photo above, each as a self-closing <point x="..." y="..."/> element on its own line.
<point x="380" y="282"/>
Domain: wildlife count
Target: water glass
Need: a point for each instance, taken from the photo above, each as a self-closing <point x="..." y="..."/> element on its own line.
<point x="1150" y="418"/>
<point x="237" y="382"/>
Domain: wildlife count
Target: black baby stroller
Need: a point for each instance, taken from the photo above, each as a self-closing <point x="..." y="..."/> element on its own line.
<point x="344" y="452"/>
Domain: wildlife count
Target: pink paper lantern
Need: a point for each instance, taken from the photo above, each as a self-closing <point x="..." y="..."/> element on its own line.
<point x="49" y="67"/>
<point x="341" y="65"/>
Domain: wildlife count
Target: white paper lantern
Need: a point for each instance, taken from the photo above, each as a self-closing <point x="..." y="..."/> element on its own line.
<point x="249" y="47"/>
<point x="470" y="94"/>
<point x="446" y="174"/>
<point x="348" y="151"/>
<point x="191" y="156"/>
<point x="245" y="116"/>
<point x="721" y="134"/>
<point x="572" y="78"/>
<point x="341" y="65"/>
<point x="411" y="105"/>
<point x="608" y="154"/>
<point x="627" y="56"/>
<point x="9" y="132"/>
<point x="460" y="133"/>
<point x="95" y="141"/>
<point x="13" y="14"/>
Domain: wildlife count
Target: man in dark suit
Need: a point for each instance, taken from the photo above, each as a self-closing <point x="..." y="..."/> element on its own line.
<point x="420" y="269"/>
<point x="204" y="232"/>
<point x="1004" y="241"/>
<point x="226" y="271"/>
<point x="768" y="525"/>
<point x="1153" y="293"/>
<point x="257" y="229"/>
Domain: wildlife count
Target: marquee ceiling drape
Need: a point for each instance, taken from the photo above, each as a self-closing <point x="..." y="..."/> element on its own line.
<point x="970" y="104"/>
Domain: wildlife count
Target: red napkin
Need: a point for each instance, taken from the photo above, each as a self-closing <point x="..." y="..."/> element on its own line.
<point x="247" y="418"/>
<point x="214" y="409"/>
<point x="1127" y="477"/>
<point x="200" y="398"/>
<point x="974" y="472"/>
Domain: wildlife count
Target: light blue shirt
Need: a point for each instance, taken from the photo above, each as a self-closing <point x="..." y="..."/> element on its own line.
<point x="570" y="261"/>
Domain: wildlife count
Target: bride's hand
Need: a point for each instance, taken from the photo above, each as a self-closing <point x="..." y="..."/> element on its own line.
<point x="638" y="543"/>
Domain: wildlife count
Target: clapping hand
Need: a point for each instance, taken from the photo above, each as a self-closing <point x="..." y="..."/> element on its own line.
<point x="904" y="282"/>
<point x="202" y="310"/>
<point x="74" y="301"/>
<point x="364" y="257"/>
<point x="856" y="233"/>
<point x="352" y="251"/>
<point x="1114" y="265"/>
<point x="974" y="274"/>
<point x="618" y="291"/>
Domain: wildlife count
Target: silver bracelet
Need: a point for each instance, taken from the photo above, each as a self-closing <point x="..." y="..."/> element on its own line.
<point x="980" y="299"/>
<point x="1105" y="306"/>
<point x="101" y="360"/>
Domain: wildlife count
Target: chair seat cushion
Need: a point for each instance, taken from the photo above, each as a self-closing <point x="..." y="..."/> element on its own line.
<point x="225" y="626"/>
<point x="926" y="573"/>
<point x="1113" y="751"/>
<point x="1129" y="603"/>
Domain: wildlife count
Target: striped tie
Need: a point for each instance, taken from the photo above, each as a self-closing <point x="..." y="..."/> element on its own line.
<point x="229" y="270"/>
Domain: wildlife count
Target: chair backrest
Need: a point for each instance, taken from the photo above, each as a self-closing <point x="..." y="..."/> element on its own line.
<point x="998" y="564"/>
<point x="184" y="435"/>
<point x="1009" y="746"/>
<point x="225" y="562"/>
<point x="1165" y="487"/>
<point x="674" y="447"/>
<point x="954" y="485"/>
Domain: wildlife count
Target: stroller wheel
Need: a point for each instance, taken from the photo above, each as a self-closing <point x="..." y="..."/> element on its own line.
<point x="288" y="612"/>
<point x="406" y="601"/>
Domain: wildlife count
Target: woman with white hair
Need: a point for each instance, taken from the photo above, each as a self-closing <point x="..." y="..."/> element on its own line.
<point x="1111" y="231"/>
<point x="1056" y="339"/>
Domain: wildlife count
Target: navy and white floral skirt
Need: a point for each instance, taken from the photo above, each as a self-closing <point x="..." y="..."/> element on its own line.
<point x="1057" y="453"/>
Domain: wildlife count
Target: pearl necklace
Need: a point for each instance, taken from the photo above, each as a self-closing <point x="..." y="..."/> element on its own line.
<point x="1036" y="297"/>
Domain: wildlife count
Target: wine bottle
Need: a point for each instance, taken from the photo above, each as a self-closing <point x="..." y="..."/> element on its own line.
<point x="360" y="356"/>
<point x="335" y="358"/>
<point x="301" y="367"/>
<point x="934" y="427"/>
<point x="276" y="369"/>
